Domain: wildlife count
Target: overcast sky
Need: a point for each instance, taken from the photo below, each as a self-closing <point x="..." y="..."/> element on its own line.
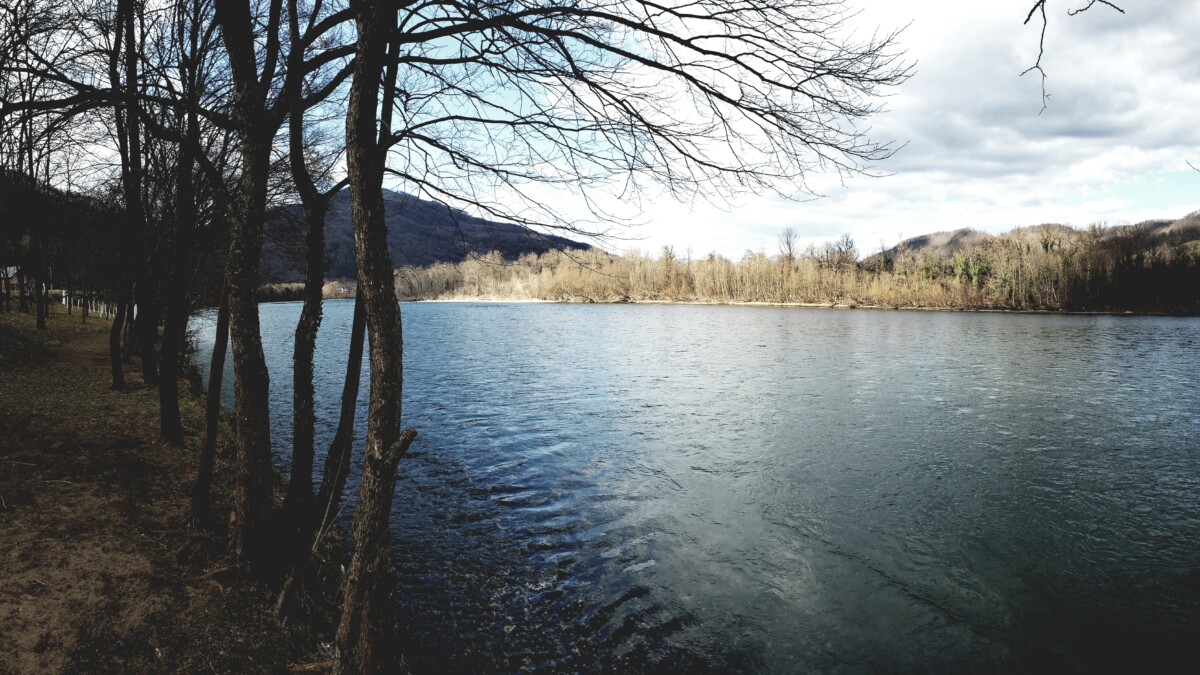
<point x="1112" y="145"/>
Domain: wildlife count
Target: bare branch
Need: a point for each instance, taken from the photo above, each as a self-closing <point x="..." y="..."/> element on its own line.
<point x="1040" y="7"/>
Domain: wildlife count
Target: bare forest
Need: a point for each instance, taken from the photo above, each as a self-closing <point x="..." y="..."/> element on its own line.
<point x="1046" y="268"/>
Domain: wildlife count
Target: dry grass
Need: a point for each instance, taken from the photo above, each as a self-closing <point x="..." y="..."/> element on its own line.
<point x="101" y="573"/>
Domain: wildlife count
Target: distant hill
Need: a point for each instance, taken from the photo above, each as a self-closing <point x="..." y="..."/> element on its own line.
<point x="941" y="243"/>
<point x="420" y="233"/>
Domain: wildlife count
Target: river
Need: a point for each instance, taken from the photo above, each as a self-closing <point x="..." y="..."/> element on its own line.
<point x="752" y="489"/>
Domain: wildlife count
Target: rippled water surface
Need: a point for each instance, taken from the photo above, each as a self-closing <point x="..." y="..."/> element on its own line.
<point x="685" y="488"/>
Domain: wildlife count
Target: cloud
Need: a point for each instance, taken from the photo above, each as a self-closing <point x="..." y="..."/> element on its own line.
<point x="1122" y="121"/>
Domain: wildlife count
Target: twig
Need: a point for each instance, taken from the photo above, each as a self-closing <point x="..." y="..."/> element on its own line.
<point x="1073" y="12"/>
<point x="322" y="667"/>
<point x="219" y="572"/>
<point x="1037" y="65"/>
<point x="281" y="601"/>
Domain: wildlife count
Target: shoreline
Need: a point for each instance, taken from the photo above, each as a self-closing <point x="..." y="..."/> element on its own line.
<point x="491" y="299"/>
<point x="808" y="305"/>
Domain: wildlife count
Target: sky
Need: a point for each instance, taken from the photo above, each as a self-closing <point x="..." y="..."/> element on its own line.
<point x="1113" y="144"/>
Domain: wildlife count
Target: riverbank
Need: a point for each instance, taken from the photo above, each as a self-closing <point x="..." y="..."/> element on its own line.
<point x="1067" y="270"/>
<point x="101" y="572"/>
<point x="800" y="305"/>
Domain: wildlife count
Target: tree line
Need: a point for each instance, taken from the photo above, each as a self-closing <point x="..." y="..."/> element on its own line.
<point x="1051" y="268"/>
<point x="182" y="122"/>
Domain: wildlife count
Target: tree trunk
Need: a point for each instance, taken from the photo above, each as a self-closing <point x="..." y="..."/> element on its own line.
<point x="337" y="461"/>
<point x="39" y="287"/>
<point x="22" y="289"/>
<point x="298" y="505"/>
<point x="364" y="638"/>
<point x="114" y="340"/>
<point x="40" y="303"/>
<point x="170" y="424"/>
<point x="366" y="634"/>
<point x="130" y="344"/>
<point x="201" y="511"/>
<point x="175" y="328"/>
<point x="146" y="323"/>
<point x="251" y="379"/>
<point x="298" y="509"/>
<point x="256" y="131"/>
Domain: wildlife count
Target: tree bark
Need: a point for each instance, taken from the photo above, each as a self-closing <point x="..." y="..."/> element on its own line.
<point x="201" y="490"/>
<point x="251" y="379"/>
<point x="114" y="338"/>
<point x="130" y="344"/>
<point x="22" y="284"/>
<point x="175" y="328"/>
<point x="364" y="638"/>
<point x="145" y="325"/>
<point x="39" y="301"/>
<point x="337" y="461"/>
<point x="252" y="534"/>
<point x="366" y="633"/>
<point x="298" y="504"/>
<point x="39" y="289"/>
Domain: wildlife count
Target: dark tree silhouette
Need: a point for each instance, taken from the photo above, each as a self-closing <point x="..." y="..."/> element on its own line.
<point x="260" y="106"/>
<point x="316" y="191"/>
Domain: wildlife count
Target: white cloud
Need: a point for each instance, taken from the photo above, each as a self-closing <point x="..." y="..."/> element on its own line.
<point x="1112" y="145"/>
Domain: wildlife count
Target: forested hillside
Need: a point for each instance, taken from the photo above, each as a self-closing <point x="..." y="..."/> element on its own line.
<point x="420" y="233"/>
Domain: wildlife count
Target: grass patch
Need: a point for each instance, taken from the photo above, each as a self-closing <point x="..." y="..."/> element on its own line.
<point x="21" y="341"/>
<point x="101" y="572"/>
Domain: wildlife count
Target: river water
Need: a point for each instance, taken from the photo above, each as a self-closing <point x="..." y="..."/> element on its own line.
<point x="749" y="489"/>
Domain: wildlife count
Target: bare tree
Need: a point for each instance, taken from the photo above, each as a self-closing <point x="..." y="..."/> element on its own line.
<point x="789" y="244"/>
<point x="363" y="641"/>
<point x="260" y="106"/>
<point x="310" y="173"/>
<point x="846" y="251"/>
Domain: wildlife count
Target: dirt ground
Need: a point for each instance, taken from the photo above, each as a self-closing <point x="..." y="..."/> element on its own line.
<point x="99" y="571"/>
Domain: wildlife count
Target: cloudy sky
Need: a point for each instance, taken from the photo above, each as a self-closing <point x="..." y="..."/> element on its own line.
<point x="1113" y="144"/>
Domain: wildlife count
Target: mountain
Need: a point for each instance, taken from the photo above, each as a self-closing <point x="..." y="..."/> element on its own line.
<point x="1152" y="231"/>
<point x="420" y="233"/>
